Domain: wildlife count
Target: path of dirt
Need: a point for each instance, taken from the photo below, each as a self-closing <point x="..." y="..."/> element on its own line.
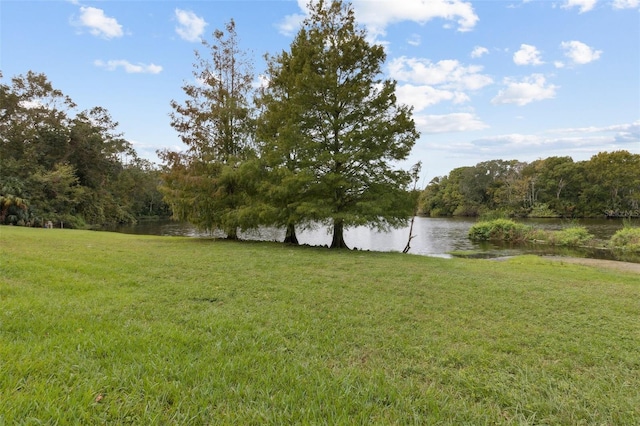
<point x="599" y="263"/>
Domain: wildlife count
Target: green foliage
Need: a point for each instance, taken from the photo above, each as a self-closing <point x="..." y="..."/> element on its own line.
<point x="190" y="331"/>
<point x="331" y="127"/>
<point x="614" y="179"/>
<point x="572" y="236"/>
<point x="626" y="239"/>
<point x="509" y="231"/>
<point x="207" y="185"/>
<point x="493" y="214"/>
<point x="542" y="210"/>
<point x="499" y="230"/>
<point x="607" y="184"/>
<point x="61" y="166"/>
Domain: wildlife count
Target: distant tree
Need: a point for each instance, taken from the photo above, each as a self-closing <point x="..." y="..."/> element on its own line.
<point x="56" y="193"/>
<point x="138" y="183"/>
<point x="614" y="183"/>
<point x="607" y="184"/>
<point x="205" y="184"/>
<point x="336" y="126"/>
<point x="559" y="181"/>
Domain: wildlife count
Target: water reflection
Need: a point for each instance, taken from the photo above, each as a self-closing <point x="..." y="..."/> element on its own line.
<point x="432" y="237"/>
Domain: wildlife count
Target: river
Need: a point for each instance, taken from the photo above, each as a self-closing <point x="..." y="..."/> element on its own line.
<point x="432" y="237"/>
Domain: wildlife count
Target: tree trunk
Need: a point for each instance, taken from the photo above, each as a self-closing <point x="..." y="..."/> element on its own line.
<point x="290" y="237"/>
<point x="338" y="235"/>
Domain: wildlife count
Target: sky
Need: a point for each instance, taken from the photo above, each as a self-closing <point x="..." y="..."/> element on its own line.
<point x="492" y="79"/>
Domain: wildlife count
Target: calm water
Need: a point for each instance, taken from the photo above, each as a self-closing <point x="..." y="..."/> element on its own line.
<point x="432" y="236"/>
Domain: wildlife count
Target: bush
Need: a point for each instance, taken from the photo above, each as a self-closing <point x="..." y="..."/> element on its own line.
<point x="542" y="210"/>
<point x="499" y="230"/>
<point x="573" y="236"/>
<point x="627" y="239"/>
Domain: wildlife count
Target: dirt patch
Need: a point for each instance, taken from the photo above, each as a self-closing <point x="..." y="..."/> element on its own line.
<point x="598" y="263"/>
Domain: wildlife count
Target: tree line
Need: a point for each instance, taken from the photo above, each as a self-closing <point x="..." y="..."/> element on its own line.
<point x="67" y="168"/>
<point x="608" y="184"/>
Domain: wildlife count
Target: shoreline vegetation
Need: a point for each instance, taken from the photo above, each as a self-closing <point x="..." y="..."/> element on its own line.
<point x="109" y="328"/>
<point x="625" y="240"/>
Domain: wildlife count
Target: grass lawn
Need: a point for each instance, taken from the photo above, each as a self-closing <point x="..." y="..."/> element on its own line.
<point x="104" y="328"/>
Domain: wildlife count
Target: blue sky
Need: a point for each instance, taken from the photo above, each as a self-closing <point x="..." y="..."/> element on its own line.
<point x="487" y="79"/>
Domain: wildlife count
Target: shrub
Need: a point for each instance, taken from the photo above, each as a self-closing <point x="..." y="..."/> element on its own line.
<point x="499" y="230"/>
<point x="542" y="210"/>
<point x="538" y="235"/>
<point x="627" y="239"/>
<point x="493" y="215"/>
<point x="572" y="236"/>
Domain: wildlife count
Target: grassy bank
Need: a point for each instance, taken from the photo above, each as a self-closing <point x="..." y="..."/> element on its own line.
<point x="111" y="328"/>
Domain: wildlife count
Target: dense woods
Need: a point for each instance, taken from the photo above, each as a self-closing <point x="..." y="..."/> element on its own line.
<point x="606" y="185"/>
<point x="67" y="168"/>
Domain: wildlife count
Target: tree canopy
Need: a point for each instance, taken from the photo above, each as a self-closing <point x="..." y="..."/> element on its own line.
<point x="606" y="185"/>
<point x="331" y="128"/>
<point x="205" y="185"/>
<point x="319" y="148"/>
<point x="67" y="167"/>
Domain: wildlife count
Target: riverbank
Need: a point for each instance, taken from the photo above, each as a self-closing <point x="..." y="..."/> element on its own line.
<point x="111" y="328"/>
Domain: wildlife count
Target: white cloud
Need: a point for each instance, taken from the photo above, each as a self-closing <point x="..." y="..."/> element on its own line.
<point x="478" y="51"/>
<point x="448" y="123"/>
<point x="579" y="53"/>
<point x="415" y="40"/>
<point x="625" y="4"/>
<point x="580" y="143"/>
<point x="130" y="68"/>
<point x="428" y="83"/>
<point x="191" y="26"/>
<point x="98" y="23"/>
<point x="629" y="131"/>
<point x="290" y="24"/>
<point x="378" y="15"/>
<point x="527" y="55"/>
<point x="530" y="89"/>
<point x="528" y="147"/>
<point x="510" y="141"/>
<point x="583" y="5"/>
<point x="422" y="97"/>
<point x="448" y="73"/>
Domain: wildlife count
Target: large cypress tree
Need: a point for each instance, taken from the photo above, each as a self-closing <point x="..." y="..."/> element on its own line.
<point x="205" y="185"/>
<point x="333" y="128"/>
<point x="285" y="156"/>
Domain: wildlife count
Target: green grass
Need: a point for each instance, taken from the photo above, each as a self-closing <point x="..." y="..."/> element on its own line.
<point x="102" y="328"/>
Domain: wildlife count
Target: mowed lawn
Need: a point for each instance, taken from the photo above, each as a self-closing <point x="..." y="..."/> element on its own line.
<point x="104" y="328"/>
